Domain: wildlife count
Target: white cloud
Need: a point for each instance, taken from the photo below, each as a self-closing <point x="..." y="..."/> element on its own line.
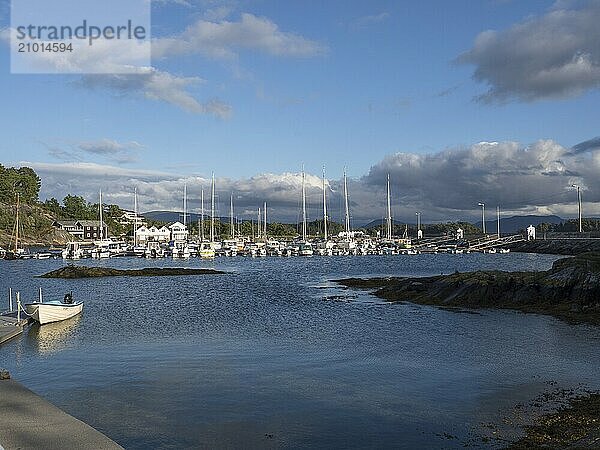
<point x="157" y="85"/>
<point x="223" y="39"/>
<point x="370" y="20"/>
<point x="446" y="185"/>
<point x="556" y="55"/>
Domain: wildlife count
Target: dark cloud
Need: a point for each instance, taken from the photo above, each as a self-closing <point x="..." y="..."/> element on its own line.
<point x="505" y="174"/>
<point x="443" y="186"/>
<point x="556" y="55"/>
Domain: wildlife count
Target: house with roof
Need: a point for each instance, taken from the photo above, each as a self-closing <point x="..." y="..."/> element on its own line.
<point x="87" y="230"/>
<point x="153" y="234"/>
<point x="131" y="218"/>
<point x="69" y="226"/>
<point x="179" y="232"/>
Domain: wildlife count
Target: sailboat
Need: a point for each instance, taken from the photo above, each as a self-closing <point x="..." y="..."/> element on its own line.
<point x="305" y="247"/>
<point x="16" y="252"/>
<point x="138" y="250"/>
<point x="325" y="247"/>
<point x="207" y="249"/>
<point x="180" y="248"/>
<point x="101" y="250"/>
<point x="348" y="245"/>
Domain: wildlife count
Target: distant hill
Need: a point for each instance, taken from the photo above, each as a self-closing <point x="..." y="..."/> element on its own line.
<point x="516" y="223"/>
<point x="379" y="223"/>
<point x="174" y="216"/>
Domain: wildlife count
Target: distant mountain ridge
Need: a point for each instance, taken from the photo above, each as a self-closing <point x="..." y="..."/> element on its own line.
<point x="516" y="223"/>
<point x="507" y="224"/>
<point x="174" y="216"/>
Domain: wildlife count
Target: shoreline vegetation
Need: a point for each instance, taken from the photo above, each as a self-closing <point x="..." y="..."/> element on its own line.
<point x="570" y="290"/>
<point x="73" y="272"/>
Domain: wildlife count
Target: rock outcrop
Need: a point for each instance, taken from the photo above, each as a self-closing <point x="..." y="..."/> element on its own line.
<point x="570" y="290"/>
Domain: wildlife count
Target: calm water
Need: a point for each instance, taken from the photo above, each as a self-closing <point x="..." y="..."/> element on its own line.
<point x="259" y="358"/>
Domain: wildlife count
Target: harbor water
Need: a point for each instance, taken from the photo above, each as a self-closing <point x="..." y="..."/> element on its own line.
<point x="273" y="354"/>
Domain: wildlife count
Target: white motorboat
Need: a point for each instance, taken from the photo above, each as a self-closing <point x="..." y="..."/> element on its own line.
<point x="54" y="310"/>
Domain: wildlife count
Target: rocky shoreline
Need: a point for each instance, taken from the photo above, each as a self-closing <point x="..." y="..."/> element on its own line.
<point x="567" y="247"/>
<point x="574" y="425"/>
<point x="71" y="272"/>
<point x="570" y="290"/>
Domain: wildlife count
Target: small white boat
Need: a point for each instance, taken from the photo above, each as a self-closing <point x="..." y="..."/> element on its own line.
<point x="54" y="310"/>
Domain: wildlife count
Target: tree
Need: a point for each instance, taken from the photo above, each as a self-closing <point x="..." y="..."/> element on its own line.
<point x="54" y="207"/>
<point x="23" y="181"/>
<point x="75" y="207"/>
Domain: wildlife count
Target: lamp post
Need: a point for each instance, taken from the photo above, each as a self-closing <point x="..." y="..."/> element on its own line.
<point x="498" y="218"/>
<point x="579" y="205"/>
<point x="482" y="215"/>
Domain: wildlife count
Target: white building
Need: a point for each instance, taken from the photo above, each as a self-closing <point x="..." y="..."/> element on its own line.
<point x="129" y="218"/>
<point x="179" y="232"/>
<point x="153" y="234"/>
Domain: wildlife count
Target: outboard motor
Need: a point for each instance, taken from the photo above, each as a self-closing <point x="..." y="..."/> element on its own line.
<point x="68" y="298"/>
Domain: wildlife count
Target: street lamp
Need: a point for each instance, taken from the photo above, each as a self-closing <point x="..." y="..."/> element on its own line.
<point x="482" y="215"/>
<point x="418" y="214"/>
<point x="579" y="205"/>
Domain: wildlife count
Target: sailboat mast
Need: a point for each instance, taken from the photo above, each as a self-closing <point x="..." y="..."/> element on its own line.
<point x="265" y="220"/>
<point x="304" y="231"/>
<point x="135" y="220"/>
<point x="212" y="209"/>
<point x="17" y="226"/>
<point x="259" y="229"/>
<point x="389" y="210"/>
<point x="231" y="225"/>
<point x="185" y="205"/>
<point x="347" y="215"/>
<point x="324" y="206"/>
<point x="201" y="224"/>
<point x="101" y="219"/>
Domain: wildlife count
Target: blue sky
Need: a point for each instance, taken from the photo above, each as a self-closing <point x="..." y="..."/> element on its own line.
<point x="336" y="83"/>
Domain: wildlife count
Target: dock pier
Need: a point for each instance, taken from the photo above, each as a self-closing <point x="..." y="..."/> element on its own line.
<point x="11" y="327"/>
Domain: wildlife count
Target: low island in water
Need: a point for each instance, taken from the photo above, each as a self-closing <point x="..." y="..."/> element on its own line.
<point x="570" y="290"/>
<point x="93" y="272"/>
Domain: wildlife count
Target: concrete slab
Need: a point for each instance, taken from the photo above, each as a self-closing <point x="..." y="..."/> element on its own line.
<point x="27" y="421"/>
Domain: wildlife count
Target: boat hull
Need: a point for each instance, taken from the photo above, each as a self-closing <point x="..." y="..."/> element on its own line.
<point x="53" y="311"/>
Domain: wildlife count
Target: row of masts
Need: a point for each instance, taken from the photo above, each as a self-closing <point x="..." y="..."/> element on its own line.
<point x="262" y="214"/>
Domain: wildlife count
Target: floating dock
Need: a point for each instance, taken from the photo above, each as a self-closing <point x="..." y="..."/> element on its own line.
<point x="10" y="327"/>
<point x="27" y="421"/>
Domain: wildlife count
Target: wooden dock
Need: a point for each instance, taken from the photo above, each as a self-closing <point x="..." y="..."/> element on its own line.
<point x="10" y="327"/>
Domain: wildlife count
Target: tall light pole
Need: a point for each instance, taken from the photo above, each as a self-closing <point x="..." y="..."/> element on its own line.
<point x="498" y="217"/>
<point x="418" y="214"/>
<point x="482" y="215"/>
<point x="579" y="205"/>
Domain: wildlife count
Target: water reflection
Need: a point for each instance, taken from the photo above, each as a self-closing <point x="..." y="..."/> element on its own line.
<point x="53" y="337"/>
<point x="273" y="354"/>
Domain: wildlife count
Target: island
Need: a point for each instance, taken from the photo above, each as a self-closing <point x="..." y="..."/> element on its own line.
<point x="570" y="290"/>
<point x="71" y="272"/>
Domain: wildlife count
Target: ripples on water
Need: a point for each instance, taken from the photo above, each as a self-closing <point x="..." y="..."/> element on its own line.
<point x="259" y="358"/>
